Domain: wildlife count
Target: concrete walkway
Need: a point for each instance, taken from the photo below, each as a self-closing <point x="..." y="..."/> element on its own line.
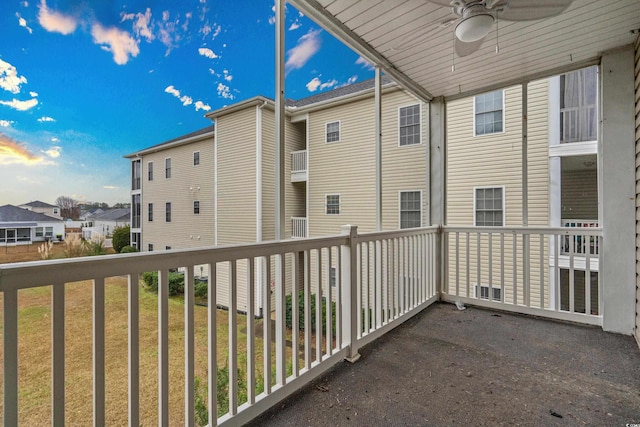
<point x="476" y="367"/>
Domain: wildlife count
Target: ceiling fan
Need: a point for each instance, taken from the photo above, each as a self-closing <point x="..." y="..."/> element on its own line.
<point x="475" y="18"/>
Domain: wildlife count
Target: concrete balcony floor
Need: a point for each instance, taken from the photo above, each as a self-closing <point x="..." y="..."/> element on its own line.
<point x="476" y="367"/>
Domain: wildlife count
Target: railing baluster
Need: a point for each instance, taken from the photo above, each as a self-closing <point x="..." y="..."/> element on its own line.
<point x="266" y="323"/>
<point x="163" y="348"/>
<point x="587" y="282"/>
<point x="366" y="278"/>
<point x="307" y="310"/>
<point x="10" y="353"/>
<point x="478" y="290"/>
<point x="557" y="243"/>
<point x="233" y="337"/>
<point x="502" y="284"/>
<point x="212" y="344"/>
<point x="134" y="349"/>
<point x="526" y="269"/>
<point x="468" y="266"/>
<point x="98" y="352"/>
<point x="58" y="362"/>
<point x="377" y="247"/>
<point x="542" y="281"/>
<point x="394" y="273"/>
<point x="339" y="286"/>
<point x="251" y="339"/>
<point x="295" y="313"/>
<point x="515" y="268"/>
<point x="457" y="263"/>
<point x="318" y="312"/>
<point x="490" y="238"/>
<point x="359" y="287"/>
<point x="189" y="345"/>
<point x="281" y="338"/>
<point x="572" y="248"/>
<point x="328" y="320"/>
<point x="385" y="281"/>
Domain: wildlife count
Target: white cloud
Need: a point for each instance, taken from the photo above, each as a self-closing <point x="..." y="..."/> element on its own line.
<point x="365" y="64"/>
<point x="53" y="152"/>
<point x="294" y="25"/>
<point x="212" y="71"/>
<point x="224" y="91"/>
<point x="110" y="187"/>
<point x="23" y="23"/>
<point x="308" y="45"/>
<point x="13" y="152"/>
<point x="228" y="77"/>
<point x="186" y="100"/>
<point x="141" y="25"/>
<point x="165" y="15"/>
<point x="6" y="123"/>
<point x="56" y="22"/>
<point x="120" y="43"/>
<point x="20" y="105"/>
<point x="316" y="84"/>
<point x="24" y="3"/>
<point x="9" y="78"/>
<point x="54" y="139"/>
<point x="33" y="94"/>
<point x="216" y="32"/>
<point x="204" y="51"/>
<point x="46" y="119"/>
<point x="272" y="20"/>
<point x="202" y="106"/>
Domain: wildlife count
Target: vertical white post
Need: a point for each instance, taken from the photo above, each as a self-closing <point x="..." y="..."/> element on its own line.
<point x="280" y="145"/>
<point x="58" y="364"/>
<point x="98" y="352"/>
<point x="134" y="351"/>
<point x="378" y="112"/>
<point x="10" y="351"/>
<point x="349" y="291"/>
<point x="189" y="289"/>
<point x="163" y="348"/>
<point x="212" y="345"/>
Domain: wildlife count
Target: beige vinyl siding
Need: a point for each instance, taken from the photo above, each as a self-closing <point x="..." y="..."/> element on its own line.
<point x="637" y="86"/>
<point x="580" y="194"/>
<point x="187" y="184"/>
<point x="295" y="192"/>
<point x="269" y="175"/>
<point x="495" y="160"/>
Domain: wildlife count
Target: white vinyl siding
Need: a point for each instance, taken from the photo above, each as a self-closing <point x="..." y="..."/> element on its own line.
<point x="488" y="113"/>
<point x="332" y="204"/>
<point x="333" y="132"/>
<point x="410" y="209"/>
<point x="489" y="207"/>
<point x="637" y="97"/>
<point x="409" y="125"/>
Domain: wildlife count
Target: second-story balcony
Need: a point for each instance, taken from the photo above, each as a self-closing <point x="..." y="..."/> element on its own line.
<point x="299" y="166"/>
<point x="298" y="227"/>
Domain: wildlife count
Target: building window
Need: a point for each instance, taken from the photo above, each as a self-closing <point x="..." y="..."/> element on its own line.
<point x="135" y="175"/>
<point x="55" y="211"/>
<point x="196" y="207"/>
<point x="333" y="277"/>
<point x="167" y="248"/>
<point x="150" y="247"/>
<point x="135" y="211"/>
<point x="196" y="158"/>
<point x="150" y="212"/>
<point x="489" y="113"/>
<point x="48" y="232"/>
<point x="579" y="105"/>
<point x="150" y="171"/>
<point x="484" y="293"/>
<point x="409" y="122"/>
<point x="410" y="209"/>
<point x="333" y="204"/>
<point x="167" y="167"/>
<point x="489" y="207"/>
<point x="39" y="232"/>
<point x="333" y="132"/>
<point x="168" y="212"/>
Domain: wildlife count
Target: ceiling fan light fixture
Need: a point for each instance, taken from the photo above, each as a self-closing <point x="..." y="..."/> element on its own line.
<point x="474" y="27"/>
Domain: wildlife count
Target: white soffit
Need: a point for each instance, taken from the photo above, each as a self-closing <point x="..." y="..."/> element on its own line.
<point x="407" y="39"/>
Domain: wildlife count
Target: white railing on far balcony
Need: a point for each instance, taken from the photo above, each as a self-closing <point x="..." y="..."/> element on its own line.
<point x="362" y="285"/>
<point x="298" y="227"/>
<point x="579" y="124"/>
<point x="299" y="165"/>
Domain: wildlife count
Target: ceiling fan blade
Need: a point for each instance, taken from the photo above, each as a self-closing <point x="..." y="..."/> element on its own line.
<point x="529" y="10"/>
<point x="464" y="49"/>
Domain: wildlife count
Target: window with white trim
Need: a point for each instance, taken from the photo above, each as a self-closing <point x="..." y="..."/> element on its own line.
<point x="150" y="212"/>
<point x="167" y="167"/>
<point x="333" y="132"/>
<point x="55" y="211"/>
<point x="409" y="125"/>
<point x="489" y="113"/>
<point x="150" y="171"/>
<point x="410" y="209"/>
<point x="196" y="158"/>
<point x="489" y="207"/>
<point x="332" y="204"/>
<point x="196" y="207"/>
<point x="167" y="212"/>
<point x="39" y="231"/>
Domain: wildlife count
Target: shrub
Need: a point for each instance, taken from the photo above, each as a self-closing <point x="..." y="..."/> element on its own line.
<point x="95" y="247"/>
<point x="121" y="238"/>
<point x="75" y="246"/>
<point x="45" y="250"/>
<point x="201" y="289"/>
<point x="176" y="282"/>
<point x="312" y="308"/>
<point x="128" y="249"/>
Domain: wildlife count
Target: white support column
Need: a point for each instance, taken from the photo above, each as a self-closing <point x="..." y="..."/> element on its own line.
<point x="437" y="142"/>
<point x="280" y="224"/>
<point x="555" y="180"/>
<point x="378" y="112"/>
<point x="349" y="289"/>
<point x="616" y="158"/>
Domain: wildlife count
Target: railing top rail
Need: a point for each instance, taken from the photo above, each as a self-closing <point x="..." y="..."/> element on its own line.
<point x="566" y="231"/>
<point x="41" y="273"/>
<point x="298" y="151"/>
<point x="378" y="235"/>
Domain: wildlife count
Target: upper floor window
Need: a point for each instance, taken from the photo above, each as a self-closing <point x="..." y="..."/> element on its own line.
<point x="135" y="175"/>
<point x="578" y="105"/>
<point x="135" y="211"/>
<point x="332" y="204"/>
<point x="150" y="247"/>
<point x="196" y="207"/>
<point x="410" y="209"/>
<point x="196" y="158"/>
<point x="167" y="212"/>
<point x="150" y="171"/>
<point x="55" y="211"/>
<point x="409" y="122"/>
<point x="150" y="212"/>
<point x="333" y="132"/>
<point x="489" y="113"/>
<point x="489" y="207"/>
<point x="167" y="167"/>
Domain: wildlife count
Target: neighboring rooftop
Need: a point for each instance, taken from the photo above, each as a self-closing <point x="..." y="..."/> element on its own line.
<point x="476" y="367"/>
<point x="10" y="213"/>
<point x="337" y="92"/>
<point x="118" y="214"/>
<point x="173" y="142"/>
<point x="39" y="204"/>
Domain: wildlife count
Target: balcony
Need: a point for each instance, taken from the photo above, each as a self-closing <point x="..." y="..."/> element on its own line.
<point x="578" y="124"/>
<point x="299" y="166"/>
<point x="375" y="281"/>
<point x="298" y="227"/>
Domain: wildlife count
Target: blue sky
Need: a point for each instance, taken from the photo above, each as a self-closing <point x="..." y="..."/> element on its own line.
<point x="83" y="83"/>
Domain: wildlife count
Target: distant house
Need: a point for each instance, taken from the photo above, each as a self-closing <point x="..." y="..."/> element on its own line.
<point x="43" y="208"/>
<point x="22" y="226"/>
<point x="90" y="213"/>
<point x="105" y="222"/>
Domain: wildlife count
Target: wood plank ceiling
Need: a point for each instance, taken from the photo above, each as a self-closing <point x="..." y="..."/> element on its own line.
<point x="409" y="35"/>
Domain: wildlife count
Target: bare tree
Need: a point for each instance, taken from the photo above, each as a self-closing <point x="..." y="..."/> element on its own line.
<point x="69" y="207"/>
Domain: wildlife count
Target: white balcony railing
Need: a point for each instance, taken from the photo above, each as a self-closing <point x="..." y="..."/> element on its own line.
<point x="578" y="243"/>
<point x="525" y="270"/>
<point x="376" y="280"/>
<point x="299" y="165"/>
<point x="298" y="227"/>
